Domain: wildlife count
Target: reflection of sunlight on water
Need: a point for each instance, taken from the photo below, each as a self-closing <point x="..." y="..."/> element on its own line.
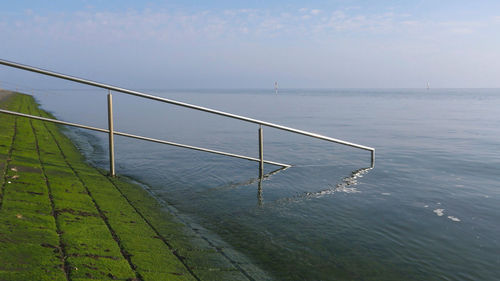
<point x="346" y="186"/>
<point x="440" y="213"/>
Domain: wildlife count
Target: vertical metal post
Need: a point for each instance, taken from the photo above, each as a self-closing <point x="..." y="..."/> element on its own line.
<point x="373" y="158"/>
<point x="111" y="136"/>
<point x="261" y="153"/>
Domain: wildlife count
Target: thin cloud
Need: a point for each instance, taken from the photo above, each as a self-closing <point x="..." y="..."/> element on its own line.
<point x="465" y="27"/>
<point x="315" y="11"/>
<point x="171" y="25"/>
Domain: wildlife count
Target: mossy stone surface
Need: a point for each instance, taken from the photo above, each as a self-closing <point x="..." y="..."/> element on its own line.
<point x="62" y="219"/>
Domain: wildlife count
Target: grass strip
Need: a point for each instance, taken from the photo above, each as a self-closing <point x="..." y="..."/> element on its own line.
<point x="8" y="127"/>
<point x="60" y="247"/>
<point x="28" y="232"/>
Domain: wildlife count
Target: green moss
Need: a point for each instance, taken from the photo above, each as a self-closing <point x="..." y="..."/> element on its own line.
<point x="62" y="219"/>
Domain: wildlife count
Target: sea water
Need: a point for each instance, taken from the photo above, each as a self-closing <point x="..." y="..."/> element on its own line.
<point x="428" y="210"/>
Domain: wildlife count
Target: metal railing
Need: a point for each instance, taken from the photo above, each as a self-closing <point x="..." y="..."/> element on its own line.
<point x="111" y="132"/>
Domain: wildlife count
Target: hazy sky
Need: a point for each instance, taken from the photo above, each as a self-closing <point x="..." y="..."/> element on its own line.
<point x="251" y="44"/>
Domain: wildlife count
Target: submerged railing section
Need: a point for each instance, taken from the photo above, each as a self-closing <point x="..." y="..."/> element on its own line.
<point x="111" y="132"/>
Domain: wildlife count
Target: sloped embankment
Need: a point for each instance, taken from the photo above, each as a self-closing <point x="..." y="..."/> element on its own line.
<point x="62" y="219"/>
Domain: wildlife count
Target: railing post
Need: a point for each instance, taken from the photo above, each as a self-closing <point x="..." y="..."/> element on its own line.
<point x="111" y="136"/>
<point x="261" y="153"/>
<point x="373" y="158"/>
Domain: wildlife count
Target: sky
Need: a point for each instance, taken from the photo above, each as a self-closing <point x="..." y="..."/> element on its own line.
<point x="250" y="44"/>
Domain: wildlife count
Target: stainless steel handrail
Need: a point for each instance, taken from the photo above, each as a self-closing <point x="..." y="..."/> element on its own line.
<point x="141" y="137"/>
<point x="191" y="106"/>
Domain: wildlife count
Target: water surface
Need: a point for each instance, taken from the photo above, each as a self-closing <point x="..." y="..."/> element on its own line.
<point x="429" y="210"/>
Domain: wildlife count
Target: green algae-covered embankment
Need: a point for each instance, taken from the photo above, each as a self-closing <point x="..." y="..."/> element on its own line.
<point x="62" y="219"/>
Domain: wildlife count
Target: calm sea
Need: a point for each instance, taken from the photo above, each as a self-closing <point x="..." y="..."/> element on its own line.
<point x="429" y="210"/>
